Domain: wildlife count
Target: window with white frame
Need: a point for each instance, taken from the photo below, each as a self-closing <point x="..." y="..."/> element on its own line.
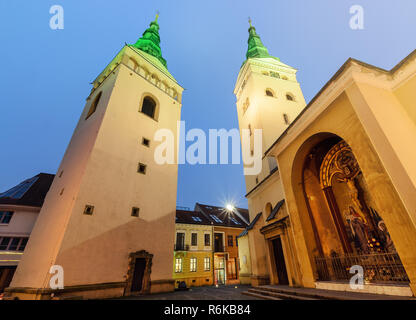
<point x="178" y="265"/>
<point x="192" y="265"/>
<point x="207" y="239"/>
<point x="5" y="217"/>
<point x="207" y="264"/>
<point x="13" y="243"/>
<point x="194" y="239"/>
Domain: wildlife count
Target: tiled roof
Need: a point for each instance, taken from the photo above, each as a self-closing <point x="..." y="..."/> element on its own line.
<point x="275" y="210"/>
<point x="222" y="217"/>
<point x="250" y="226"/>
<point x="31" y="192"/>
<point x="242" y="234"/>
<point x="191" y="217"/>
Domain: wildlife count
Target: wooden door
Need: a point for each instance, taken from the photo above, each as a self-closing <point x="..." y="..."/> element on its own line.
<point x="279" y="259"/>
<point x="139" y="268"/>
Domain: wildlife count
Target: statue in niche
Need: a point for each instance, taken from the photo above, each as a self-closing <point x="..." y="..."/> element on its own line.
<point x="359" y="229"/>
<point x="383" y="234"/>
<point x="364" y="225"/>
<point x="385" y="238"/>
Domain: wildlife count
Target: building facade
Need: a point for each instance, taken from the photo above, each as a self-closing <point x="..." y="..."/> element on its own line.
<point x="227" y="225"/>
<point x="206" y="248"/>
<point x="341" y="193"/>
<point x="109" y="191"/>
<point x="19" y="209"/>
<point x="193" y="256"/>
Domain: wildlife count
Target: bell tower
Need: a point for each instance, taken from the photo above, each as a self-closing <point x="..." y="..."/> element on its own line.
<point x="268" y="98"/>
<point x="109" y="217"/>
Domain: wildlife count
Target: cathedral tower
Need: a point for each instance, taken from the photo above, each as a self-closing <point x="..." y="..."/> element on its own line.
<point x="268" y="98"/>
<point x="109" y="216"/>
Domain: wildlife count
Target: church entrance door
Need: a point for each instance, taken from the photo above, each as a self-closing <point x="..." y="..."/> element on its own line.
<point x="139" y="268"/>
<point x="279" y="260"/>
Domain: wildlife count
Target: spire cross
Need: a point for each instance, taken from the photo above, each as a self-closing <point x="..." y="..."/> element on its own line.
<point x="157" y="15"/>
<point x="249" y="21"/>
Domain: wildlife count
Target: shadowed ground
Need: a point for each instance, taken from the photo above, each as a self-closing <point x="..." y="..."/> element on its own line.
<point x="201" y="293"/>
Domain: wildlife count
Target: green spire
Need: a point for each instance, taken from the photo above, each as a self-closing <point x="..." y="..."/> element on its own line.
<point x="150" y="41"/>
<point x="256" y="49"/>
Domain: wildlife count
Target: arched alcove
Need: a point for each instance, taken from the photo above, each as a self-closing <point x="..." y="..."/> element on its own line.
<point x="339" y="216"/>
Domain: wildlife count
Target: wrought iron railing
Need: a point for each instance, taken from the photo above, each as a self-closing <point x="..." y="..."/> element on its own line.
<point x="377" y="267"/>
<point x="181" y="247"/>
<point x="219" y="248"/>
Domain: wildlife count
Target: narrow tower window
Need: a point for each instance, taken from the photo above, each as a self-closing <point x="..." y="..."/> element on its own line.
<point x="149" y="107"/>
<point x="286" y="118"/>
<point x="289" y="97"/>
<point x="135" y="212"/>
<point x="141" y="168"/>
<point x="89" y="210"/>
<point x="145" y="142"/>
<point x="94" y="105"/>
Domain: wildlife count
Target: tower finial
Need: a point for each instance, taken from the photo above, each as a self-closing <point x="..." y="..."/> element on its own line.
<point x="150" y="41"/>
<point x="249" y="21"/>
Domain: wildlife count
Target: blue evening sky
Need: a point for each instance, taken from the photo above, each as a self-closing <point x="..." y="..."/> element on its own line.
<point x="46" y="73"/>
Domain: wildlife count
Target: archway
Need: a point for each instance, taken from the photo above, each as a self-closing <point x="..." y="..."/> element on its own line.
<point x="347" y="226"/>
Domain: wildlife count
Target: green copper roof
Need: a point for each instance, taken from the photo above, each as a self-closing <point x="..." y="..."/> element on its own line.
<point x="150" y="42"/>
<point x="256" y="49"/>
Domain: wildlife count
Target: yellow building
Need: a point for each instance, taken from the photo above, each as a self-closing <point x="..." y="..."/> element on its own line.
<point x="108" y="218"/>
<point x="206" y="247"/>
<point x="228" y="223"/>
<point x="193" y="256"/>
<point x="339" y="176"/>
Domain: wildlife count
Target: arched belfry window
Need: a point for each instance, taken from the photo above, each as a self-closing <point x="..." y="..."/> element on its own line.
<point x="94" y="105"/>
<point x="290" y="97"/>
<point x="149" y="107"/>
<point x="269" y="93"/>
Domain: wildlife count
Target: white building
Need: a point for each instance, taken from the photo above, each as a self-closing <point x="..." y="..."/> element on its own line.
<point x="19" y="209"/>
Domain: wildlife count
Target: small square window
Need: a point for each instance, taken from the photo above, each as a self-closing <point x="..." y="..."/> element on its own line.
<point x="146" y="142"/>
<point x="142" y="168"/>
<point x="88" y="210"/>
<point x="135" y="212"/>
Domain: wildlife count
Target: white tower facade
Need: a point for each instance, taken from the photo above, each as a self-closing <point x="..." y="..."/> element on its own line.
<point x="268" y="98"/>
<point x="109" y="217"/>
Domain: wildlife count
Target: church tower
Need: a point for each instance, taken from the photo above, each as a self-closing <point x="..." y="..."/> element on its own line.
<point x="109" y="217"/>
<point x="268" y="98"/>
